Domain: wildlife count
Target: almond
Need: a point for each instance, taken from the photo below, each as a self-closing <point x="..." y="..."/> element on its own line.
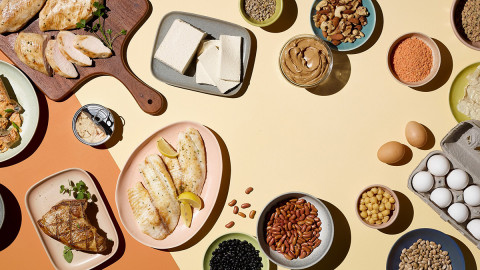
<point x="358" y="27"/>
<point x="354" y="21"/>
<point x="337" y="37"/>
<point x="324" y="34"/>
<point x="324" y="11"/>
<point x="335" y="21"/>
<point x="348" y="11"/>
<point x="336" y="42"/>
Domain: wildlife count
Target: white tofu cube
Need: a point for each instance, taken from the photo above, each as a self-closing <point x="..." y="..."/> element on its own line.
<point x="179" y="45"/>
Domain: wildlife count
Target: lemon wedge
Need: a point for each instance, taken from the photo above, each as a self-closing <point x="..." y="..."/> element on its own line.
<point x="186" y="213"/>
<point x="191" y="199"/>
<point x="165" y="148"/>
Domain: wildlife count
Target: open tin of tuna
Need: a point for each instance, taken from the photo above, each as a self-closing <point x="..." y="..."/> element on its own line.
<point x="93" y="124"/>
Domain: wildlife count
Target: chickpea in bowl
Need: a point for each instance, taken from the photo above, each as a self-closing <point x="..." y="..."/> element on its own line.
<point x="377" y="206"/>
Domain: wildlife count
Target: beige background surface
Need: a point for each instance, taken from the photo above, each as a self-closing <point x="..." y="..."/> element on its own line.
<point x="282" y="138"/>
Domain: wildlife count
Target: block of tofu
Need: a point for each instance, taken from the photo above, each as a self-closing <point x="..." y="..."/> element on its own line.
<point x="201" y="75"/>
<point x="230" y="58"/>
<point x="179" y="45"/>
<point x="210" y="60"/>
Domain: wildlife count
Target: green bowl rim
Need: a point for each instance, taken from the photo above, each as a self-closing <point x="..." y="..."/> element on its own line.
<point x="252" y="22"/>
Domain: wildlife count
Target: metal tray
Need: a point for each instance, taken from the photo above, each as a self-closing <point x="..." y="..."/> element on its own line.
<point x="214" y="28"/>
<point x="459" y="147"/>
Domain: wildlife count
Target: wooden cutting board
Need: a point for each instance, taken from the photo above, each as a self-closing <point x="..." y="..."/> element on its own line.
<point x="123" y="14"/>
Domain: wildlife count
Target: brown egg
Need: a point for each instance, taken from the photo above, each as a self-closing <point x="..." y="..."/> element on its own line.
<point x="416" y="134"/>
<point x="391" y="152"/>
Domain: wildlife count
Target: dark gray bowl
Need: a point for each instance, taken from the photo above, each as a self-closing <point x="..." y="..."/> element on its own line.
<point x="326" y="235"/>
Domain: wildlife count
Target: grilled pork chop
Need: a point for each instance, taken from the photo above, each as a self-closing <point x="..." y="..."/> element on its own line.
<point x="14" y="14"/>
<point x="66" y="222"/>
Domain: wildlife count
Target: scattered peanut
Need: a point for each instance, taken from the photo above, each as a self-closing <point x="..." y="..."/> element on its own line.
<point x="242" y="215"/>
<point x="245" y="205"/>
<point x="232" y="203"/>
<point x="248" y="190"/>
<point x="235" y="210"/>
<point x="252" y="214"/>
<point x="230" y="224"/>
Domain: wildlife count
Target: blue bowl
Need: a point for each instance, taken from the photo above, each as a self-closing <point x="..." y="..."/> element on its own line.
<point x="367" y="29"/>
<point x="447" y="242"/>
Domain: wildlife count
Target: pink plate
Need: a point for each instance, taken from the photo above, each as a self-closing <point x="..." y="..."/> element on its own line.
<point x="43" y="195"/>
<point x="130" y="175"/>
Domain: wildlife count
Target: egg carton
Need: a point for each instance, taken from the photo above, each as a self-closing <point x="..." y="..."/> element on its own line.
<point x="461" y="146"/>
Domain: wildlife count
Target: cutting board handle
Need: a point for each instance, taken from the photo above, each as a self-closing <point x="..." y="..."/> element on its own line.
<point x="149" y="99"/>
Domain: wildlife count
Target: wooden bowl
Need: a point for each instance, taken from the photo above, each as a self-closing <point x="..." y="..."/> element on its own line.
<point x="435" y="55"/>
<point x="456" y="22"/>
<point x="393" y="216"/>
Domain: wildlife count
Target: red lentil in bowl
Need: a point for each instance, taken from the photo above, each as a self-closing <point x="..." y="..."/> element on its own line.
<point x="414" y="59"/>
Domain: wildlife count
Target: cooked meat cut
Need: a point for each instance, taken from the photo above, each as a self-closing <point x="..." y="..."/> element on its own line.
<point x="7" y="105"/>
<point x="161" y="189"/>
<point x="66" y="222"/>
<point x="14" y="14"/>
<point x="92" y="46"/>
<point x="145" y="213"/>
<point x="58" y="62"/>
<point x="65" y="14"/>
<point x="30" y="49"/>
<point x="66" y="42"/>
<point x="192" y="159"/>
<point x="8" y="138"/>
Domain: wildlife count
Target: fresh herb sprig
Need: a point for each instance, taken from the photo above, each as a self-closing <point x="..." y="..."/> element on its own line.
<point x="68" y="254"/>
<point x="99" y="26"/>
<point x="79" y="190"/>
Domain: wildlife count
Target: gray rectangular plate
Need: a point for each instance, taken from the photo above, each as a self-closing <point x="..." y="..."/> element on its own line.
<point x="214" y="28"/>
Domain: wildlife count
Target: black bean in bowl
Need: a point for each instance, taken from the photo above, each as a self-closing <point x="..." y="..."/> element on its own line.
<point x="235" y="254"/>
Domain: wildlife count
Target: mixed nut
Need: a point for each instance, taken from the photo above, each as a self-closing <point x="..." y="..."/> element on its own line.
<point x="424" y="254"/>
<point x="294" y="229"/>
<point x="341" y="20"/>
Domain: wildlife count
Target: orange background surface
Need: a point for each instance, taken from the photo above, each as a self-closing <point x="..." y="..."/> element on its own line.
<point x="55" y="148"/>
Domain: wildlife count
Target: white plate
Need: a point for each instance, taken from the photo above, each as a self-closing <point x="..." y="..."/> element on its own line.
<point x="27" y="98"/>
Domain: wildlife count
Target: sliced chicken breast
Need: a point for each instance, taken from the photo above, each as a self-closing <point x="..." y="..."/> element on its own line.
<point x="66" y="44"/>
<point x="58" y="62"/>
<point x="192" y="159"/>
<point x="145" y="213"/>
<point x="65" y="14"/>
<point x="162" y="190"/>
<point x="92" y="46"/>
<point x="14" y="14"/>
<point x="30" y="49"/>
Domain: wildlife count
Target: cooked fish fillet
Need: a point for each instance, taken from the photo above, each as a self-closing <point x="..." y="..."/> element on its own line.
<point x="30" y="49"/>
<point x="145" y="213"/>
<point x="192" y="159"/>
<point x="162" y="190"/>
<point x="59" y="62"/>
<point x="173" y="166"/>
<point x="14" y="14"/>
<point x="66" y="42"/>
<point x="8" y="139"/>
<point x="91" y="46"/>
<point x="66" y="222"/>
<point x="65" y="14"/>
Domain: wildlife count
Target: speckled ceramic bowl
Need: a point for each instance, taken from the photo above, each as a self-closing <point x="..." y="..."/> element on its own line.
<point x="326" y="234"/>
<point x="456" y="22"/>
<point x="393" y="216"/>
<point x="436" y="58"/>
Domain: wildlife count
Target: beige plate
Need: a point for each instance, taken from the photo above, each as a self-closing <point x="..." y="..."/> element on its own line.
<point x="43" y="195"/>
<point x="130" y="175"/>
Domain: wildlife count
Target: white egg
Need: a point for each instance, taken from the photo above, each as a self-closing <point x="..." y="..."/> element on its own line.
<point x="422" y="181"/>
<point x="474" y="228"/>
<point x="442" y="197"/>
<point x="438" y="165"/>
<point x="471" y="195"/>
<point x="457" y="179"/>
<point x="459" y="212"/>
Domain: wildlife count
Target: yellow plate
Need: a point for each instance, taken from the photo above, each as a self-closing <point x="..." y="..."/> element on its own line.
<point x="457" y="91"/>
